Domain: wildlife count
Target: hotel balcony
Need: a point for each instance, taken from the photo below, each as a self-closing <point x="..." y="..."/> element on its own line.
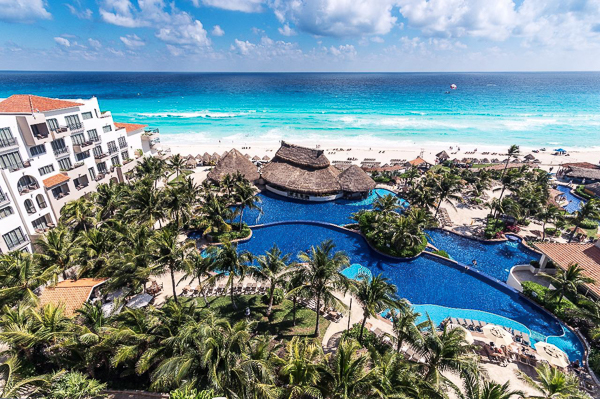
<point x="4" y="199"/>
<point x="63" y="131"/>
<point x="105" y="114"/>
<point x="16" y="167"/>
<point x="75" y="170"/>
<point x="60" y="152"/>
<point x="14" y="245"/>
<point x="81" y="147"/>
<point x="150" y="135"/>
<point x="34" y="129"/>
<point x="8" y="144"/>
<point x="25" y="189"/>
<point x="100" y="157"/>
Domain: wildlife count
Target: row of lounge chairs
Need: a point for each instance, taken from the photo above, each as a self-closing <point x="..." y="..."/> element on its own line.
<point x="328" y="312"/>
<point x="444" y="218"/>
<point x="222" y="289"/>
<point x="476" y="326"/>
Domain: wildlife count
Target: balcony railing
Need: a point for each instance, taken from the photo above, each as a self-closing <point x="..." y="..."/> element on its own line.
<point x="80" y="147"/>
<point x="18" y="166"/>
<point x="73" y="128"/>
<point x="100" y="156"/>
<point x="14" y="244"/>
<point x="123" y="145"/>
<point x="27" y="188"/>
<point x="8" y="142"/>
<point x="61" y="151"/>
<point x="112" y="150"/>
<point x="4" y="198"/>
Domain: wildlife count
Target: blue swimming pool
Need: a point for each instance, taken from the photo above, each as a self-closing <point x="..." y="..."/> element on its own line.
<point x="423" y="281"/>
<point x="574" y="202"/>
<point x="493" y="258"/>
<point x="276" y="208"/>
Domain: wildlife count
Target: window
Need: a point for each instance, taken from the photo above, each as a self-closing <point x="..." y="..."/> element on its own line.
<point x="44" y="170"/>
<point x="65" y="164"/>
<point x="101" y="167"/>
<point x="86" y="115"/>
<point x="124" y="155"/>
<point x="92" y="173"/>
<point x="40" y="223"/>
<point x="3" y="196"/>
<point x="29" y="206"/>
<point x="73" y="121"/>
<point x="37" y="150"/>
<point x="11" y="161"/>
<point x="4" y="212"/>
<point x="78" y="139"/>
<point x="41" y="201"/>
<point x="107" y="128"/>
<point x="112" y="147"/>
<point x="82" y="155"/>
<point x="6" y="137"/>
<point x="52" y="124"/>
<point x="93" y="135"/>
<point x="14" y="238"/>
<point x="27" y="183"/>
<point x="97" y="151"/>
<point x="122" y="142"/>
<point x="115" y="160"/>
<point x="59" y="147"/>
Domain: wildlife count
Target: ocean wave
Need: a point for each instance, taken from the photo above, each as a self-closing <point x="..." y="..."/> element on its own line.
<point x="195" y="114"/>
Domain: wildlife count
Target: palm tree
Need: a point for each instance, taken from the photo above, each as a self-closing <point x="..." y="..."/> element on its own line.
<point x="246" y="198"/>
<point x="550" y="213"/>
<point x="230" y="264"/>
<point x="552" y="383"/>
<point x="509" y="179"/>
<point x="444" y="351"/>
<point x="447" y="186"/>
<point x="567" y="281"/>
<point x="145" y="204"/>
<point x="178" y="204"/>
<point x="93" y="248"/>
<point x="215" y="213"/>
<point x="20" y="275"/>
<point x="301" y="368"/>
<point x="404" y="325"/>
<point x="79" y="214"/>
<point x="513" y="152"/>
<point x="16" y="386"/>
<point x="374" y="295"/>
<point x="271" y="269"/>
<point x="108" y="198"/>
<point x="176" y="164"/>
<point x="58" y="249"/>
<point x="386" y="204"/>
<point x="321" y="268"/>
<point x="590" y="210"/>
<point x="401" y="379"/>
<point x="349" y="375"/>
<point x="411" y="174"/>
<point x="475" y="387"/>
<point x="171" y="254"/>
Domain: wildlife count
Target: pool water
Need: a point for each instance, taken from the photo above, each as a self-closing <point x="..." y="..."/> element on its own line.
<point x="423" y="281"/>
<point x="276" y="208"/>
<point x="574" y="202"/>
<point x="493" y="258"/>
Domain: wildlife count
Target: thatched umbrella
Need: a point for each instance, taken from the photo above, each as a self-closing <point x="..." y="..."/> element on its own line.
<point x="191" y="163"/>
<point x="442" y="156"/>
<point x="215" y="157"/>
<point x="199" y="158"/>
<point x="485" y="160"/>
<point x="529" y="157"/>
<point x="206" y="158"/>
<point x="225" y="153"/>
<point x="233" y="162"/>
<point x="247" y="156"/>
<point x="266" y="158"/>
<point x="495" y="160"/>
<point x="256" y="158"/>
<point x="354" y="180"/>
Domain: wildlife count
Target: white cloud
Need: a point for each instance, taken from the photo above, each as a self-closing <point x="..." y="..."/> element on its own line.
<point x="79" y="11"/>
<point x="346" y="51"/>
<point x="62" y="41"/>
<point x="26" y="11"/>
<point x="95" y="43"/>
<point x="115" y="52"/>
<point x="217" y="31"/>
<point x="187" y="34"/>
<point x="287" y="31"/>
<point x="338" y="17"/>
<point x="234" y="5"/>
<point x="244" y="47"/>
<point x="267" y="48"/>
<point x="132" y="41"/>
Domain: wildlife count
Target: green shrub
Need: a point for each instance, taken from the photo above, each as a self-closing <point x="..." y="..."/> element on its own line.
<point x="75" y="385"/>
<point x="370" y="340"/>
<point x="443" y="253"/>
<point x="493" y="228"/>
<point x="535" y="264"/>
<point x="233" y="234"/>
<point x="550" y="231"/>
<point x="580" y="191"/>
<point x="594" y="359"/>
<point x="539" y="294"/>
<point x="589" y="224"/>
<point x="188" y="393"/>
<point x="278" y="297"/>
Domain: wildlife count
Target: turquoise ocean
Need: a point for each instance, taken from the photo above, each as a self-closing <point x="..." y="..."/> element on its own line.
<point x="529" y="109"/>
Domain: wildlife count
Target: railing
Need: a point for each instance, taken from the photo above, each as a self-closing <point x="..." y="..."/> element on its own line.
<point x="17" y="243"/>
<point x="73" y="127"/>
<point x="18" y="166"/>
<point x="123" y="145"/>
<point x="4" y="198"/>
<point x="100" y="156"/>
<point x="8" y="142"/>
<point x="149" y="131"/>
<point x="61" y="151"/>
<point x="30" y="210"/>
<point x="24" y="189"/>
<point x="96" y="139"/>
<point x="112" y="150"/>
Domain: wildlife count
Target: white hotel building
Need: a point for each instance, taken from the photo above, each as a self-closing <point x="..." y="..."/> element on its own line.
<point x="54" y="151"/>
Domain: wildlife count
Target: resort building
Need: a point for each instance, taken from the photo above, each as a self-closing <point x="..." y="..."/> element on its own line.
<point x="587" y="256"/>
<point x="71" y="294"/>
<point x="579" y="172"/>
<point x="419" y="163"/>
<point x="54" y="151"/>
<point x="306" y="173"/>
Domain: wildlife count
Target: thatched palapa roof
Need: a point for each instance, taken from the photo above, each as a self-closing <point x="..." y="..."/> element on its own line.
<point x="206" y="158"/>
<point x="256" y="158"/>
<point x="233" y="162"/>
<point x="302" y="156"/>
<point x="354" y="179"/>
<point x="581" y="173"/>
<point x="266" y="158"/>
<point x="442" y="155"/>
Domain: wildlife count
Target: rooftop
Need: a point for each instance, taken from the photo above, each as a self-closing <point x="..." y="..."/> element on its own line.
<point x="129" y="127"/>
<point x="583" y="165"/>
<point x="29" y="104"/>
<point x="72" y="294"/>
<point x="584" y="173"/>
<point x="593" y="188"/>
<point x="55" y="180"/>
<point x="417" y="161"/>
<point x="587" y="256"/>
<point x="301" y="156"/>
<point x="233" y="162"/>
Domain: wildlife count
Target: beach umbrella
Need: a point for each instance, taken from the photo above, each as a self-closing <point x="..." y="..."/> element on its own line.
<point x="497" y="335"/>
<point x="266" y="158"/>
<point x="468" y="336"/>
<point x="552" y="354"/>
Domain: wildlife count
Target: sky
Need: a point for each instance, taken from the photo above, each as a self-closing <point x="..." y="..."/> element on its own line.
<point x="300" y="35"/>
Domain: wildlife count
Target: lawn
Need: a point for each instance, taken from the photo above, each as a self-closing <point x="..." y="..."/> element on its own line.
<point x="281" y="320"/>
<point x="182" y="175"/>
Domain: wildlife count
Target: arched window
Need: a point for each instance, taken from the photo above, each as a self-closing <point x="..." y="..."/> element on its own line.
<point x="41" y="201"/>
<point x="29" y="206"/>
<point x="27" y="184"/>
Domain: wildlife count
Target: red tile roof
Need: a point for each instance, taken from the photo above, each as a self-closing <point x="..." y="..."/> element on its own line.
<point x="587" y="256"/>
<point x="26" y="103"/>
<point x="417" y="161"/>
<point x="129" y="127"/>
<point x="55" y="180"/>
<point x="72" y="294"/>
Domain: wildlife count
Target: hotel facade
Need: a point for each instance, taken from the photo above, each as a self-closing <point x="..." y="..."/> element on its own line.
<point x="55" y="151"/>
